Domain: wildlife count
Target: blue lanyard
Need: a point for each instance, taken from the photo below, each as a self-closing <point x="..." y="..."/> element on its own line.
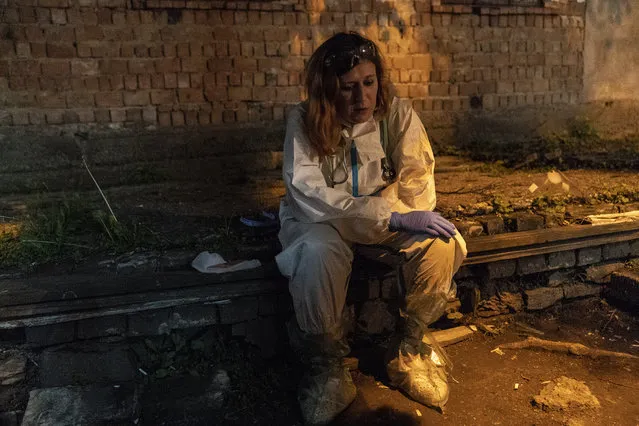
<point x="354" y="169"/>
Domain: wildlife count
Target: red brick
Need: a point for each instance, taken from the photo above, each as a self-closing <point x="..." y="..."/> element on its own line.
<point x="134" y="115"/>
<point x="54" y="117"/>
<point x="177" y="118"/>
<point x="86" y="67"/>
<point x="194" y="64"/>
<point x="157" y="81"/>
<point x="36" y="117"/>
<point x="167" y="65"/>
<point x="190" y="96"/>
<point x="137" y="98"/>
<point x="245" y="64"/>
<point x="86" y="116"/>
<point x="24" y="67"/>
<point x="162" y="97"/>
<point x="56" y="68"/>
<point x="113" y="66"/>
<point x="53" y="3"/>
<point x="149" y="115"/>
<point x="58" y="16"/>
<point x="90" y="33"/>
<point x="183" y="81"/>
<point x="130" y="82"/>
<point x="102" y="115"/>
<point x="51" y="100"/>
<point x="141" y="51"/>
<point x="60" y="50"/>
<point x="144" y="81"/>
<point x="141" y="66"/>
<point x="118" y="115"/>
<point x="20" y="118"/>
<point x="164" y="119"/>
<point x="108" y="99"/>
<point x="170" y="80"/>
<point x="80" y="99"/>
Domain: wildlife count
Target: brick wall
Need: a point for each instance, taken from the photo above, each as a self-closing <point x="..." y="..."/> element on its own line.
<point x="173" y="63"/>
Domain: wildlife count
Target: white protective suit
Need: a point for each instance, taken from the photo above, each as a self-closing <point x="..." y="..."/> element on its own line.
<point x="321" y="219"/>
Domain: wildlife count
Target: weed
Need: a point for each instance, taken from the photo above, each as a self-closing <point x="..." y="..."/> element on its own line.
<point x="501" y="206"/>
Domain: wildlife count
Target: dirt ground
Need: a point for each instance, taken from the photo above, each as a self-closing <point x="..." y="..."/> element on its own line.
<point x="459" y="182"/>
<point x="482" y="383"/>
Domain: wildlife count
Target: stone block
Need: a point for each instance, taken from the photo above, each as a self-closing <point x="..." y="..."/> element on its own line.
<point x="528" y="222"/>
<point x="85" y="365"/>
<point x="267" y="304"/>
<point x="239" y="310"/>
<point x="493" y="225"/>
<point x="634" y="248"/>
<point x="137" y="263"/>
<point x="574" y="290"/>
<point x="47" y="335"/>
<point x="601" y="274"/>
<point x="588" y="256"/>
<point x="616" y="250"/>
<point x="82" y="405"/>
<point x="501" y="269"/>
<point x="543" y="297"/>
<point x="12" y="368"/>
<point x="149" y="323"/>
<point x="193" y="316"/>
<point x="560" y="277"/>
<point x="624" y="287"/>
<point x="531" y="264"/>
<point x="176" y="259"/>
<point x="465" y="272"/>
<point x="562" y="259"/>
<point x="469" y="228"/>
<point x="101" y="327"/>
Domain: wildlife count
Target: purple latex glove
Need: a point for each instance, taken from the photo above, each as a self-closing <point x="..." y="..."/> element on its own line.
<point x="422" y="222"/>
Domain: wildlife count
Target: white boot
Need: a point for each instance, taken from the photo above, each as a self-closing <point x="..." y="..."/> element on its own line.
<point x="327" y="388"/>
<point x="417" y="369"/>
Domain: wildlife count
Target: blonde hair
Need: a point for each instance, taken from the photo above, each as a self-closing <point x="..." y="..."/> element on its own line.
<point x="323" y="125"/>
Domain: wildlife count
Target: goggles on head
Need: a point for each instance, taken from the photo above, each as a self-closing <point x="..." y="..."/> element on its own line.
<point x="344" y="61"/>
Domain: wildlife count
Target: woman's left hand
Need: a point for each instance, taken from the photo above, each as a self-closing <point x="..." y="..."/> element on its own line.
<point x="422" y="222"/>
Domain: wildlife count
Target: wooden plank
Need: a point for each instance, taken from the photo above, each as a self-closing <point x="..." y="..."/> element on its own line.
<point x="61" y="287"/>
<point x="509" y="240"/>
<point x="552" y="247"/>
<point x="74" y="309"/>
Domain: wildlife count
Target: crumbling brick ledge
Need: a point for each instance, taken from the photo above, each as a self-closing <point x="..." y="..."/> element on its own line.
<point x="511" y="272"/>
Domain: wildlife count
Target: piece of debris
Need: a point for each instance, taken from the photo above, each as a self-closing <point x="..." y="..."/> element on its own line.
<point x="566" y="347"/>
<point x="498" y="351"/>
<point x="516" y="386"/>
<point x="419" y="413"/>
<point x="473" y="327"/>
<point x="450" y="336"/>
<point x="526" y="329"/>
<point x="565" y="393"/>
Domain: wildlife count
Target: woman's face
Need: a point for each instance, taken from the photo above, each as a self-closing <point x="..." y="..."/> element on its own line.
<point x="357" y="95"/>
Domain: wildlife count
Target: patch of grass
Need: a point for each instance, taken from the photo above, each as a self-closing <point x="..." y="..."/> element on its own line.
<point x="67" y="230"/>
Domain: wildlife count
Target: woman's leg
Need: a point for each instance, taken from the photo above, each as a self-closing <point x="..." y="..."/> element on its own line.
<point x="412" y="365"/>
<point x="318" y="264"/>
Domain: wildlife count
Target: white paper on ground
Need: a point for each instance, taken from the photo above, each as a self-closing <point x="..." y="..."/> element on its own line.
<point x="213" y="263"/>
<point x="603" y="219"/>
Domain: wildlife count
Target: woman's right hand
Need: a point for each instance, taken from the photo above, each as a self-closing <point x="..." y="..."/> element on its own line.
<point x="422" y="222"/>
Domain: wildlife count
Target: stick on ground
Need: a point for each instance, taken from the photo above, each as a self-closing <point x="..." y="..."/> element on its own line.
<point x="565" y="347"/>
